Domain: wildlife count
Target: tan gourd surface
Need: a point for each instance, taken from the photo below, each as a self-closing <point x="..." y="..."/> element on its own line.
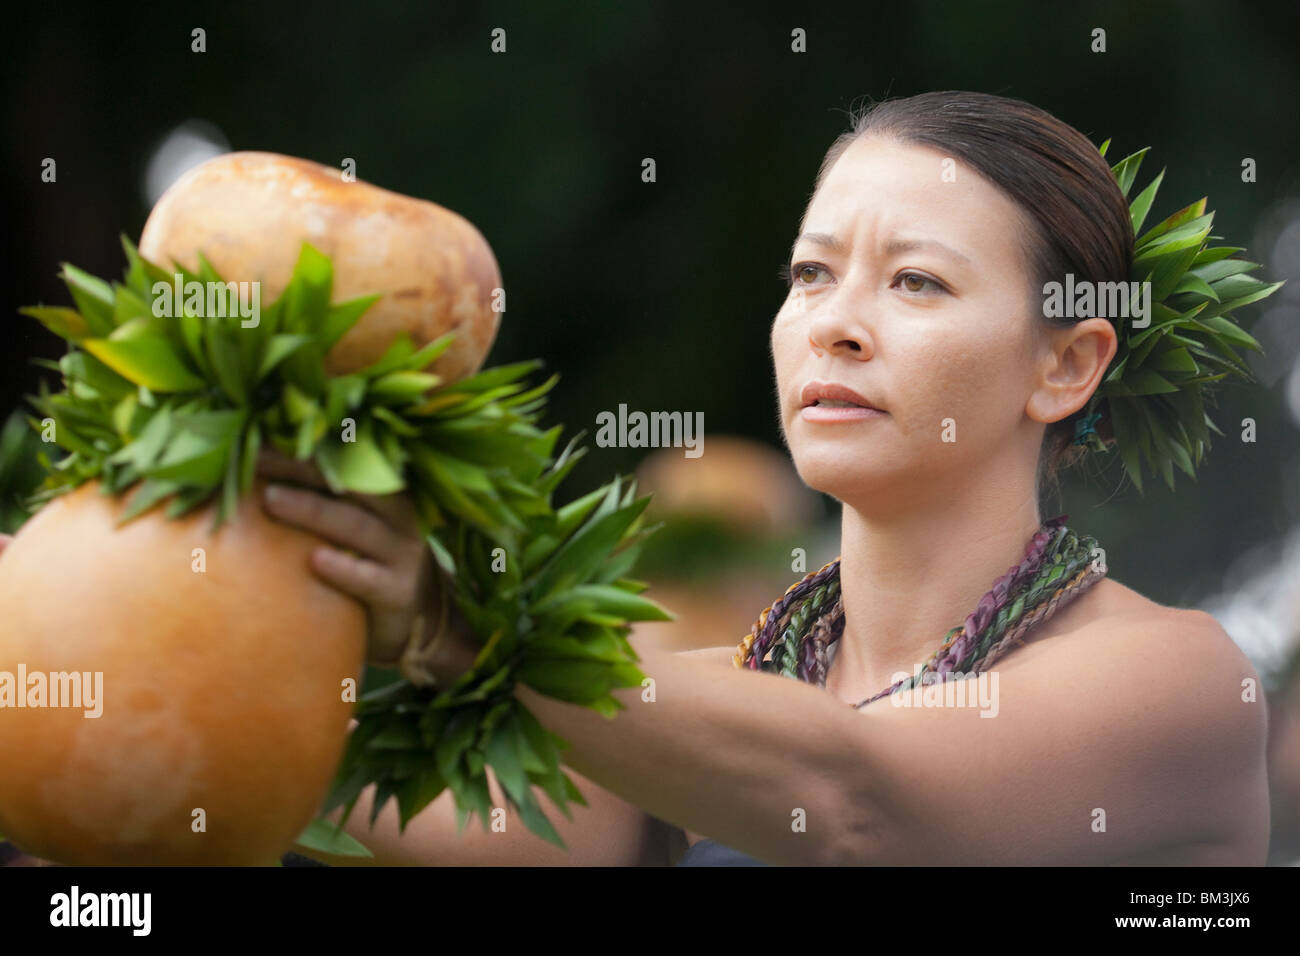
<point x="248" y="213"/>
<point x="222" y="688"/>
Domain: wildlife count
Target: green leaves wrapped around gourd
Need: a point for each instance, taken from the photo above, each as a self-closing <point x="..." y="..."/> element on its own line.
<point x="174" y="408"/>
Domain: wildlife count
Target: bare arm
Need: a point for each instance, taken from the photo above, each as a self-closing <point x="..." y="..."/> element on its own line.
<point x="718" y="751"/>
<point x="1144" y="722"/>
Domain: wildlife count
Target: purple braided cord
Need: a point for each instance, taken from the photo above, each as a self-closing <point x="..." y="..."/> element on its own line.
<point x="814" y="651"/>
<point x="998" y="597"/>
<point x="777" y="617"/>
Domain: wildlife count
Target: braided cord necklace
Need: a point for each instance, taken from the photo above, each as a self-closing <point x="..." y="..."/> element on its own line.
<point x="796" y="636"/>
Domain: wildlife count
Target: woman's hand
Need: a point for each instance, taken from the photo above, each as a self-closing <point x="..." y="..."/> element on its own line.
<point x="383" y="561"/>
<point x="4" y="541"/>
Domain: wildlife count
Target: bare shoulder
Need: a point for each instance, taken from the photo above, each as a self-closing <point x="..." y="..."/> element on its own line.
<point x="1172" y="693"/>
<point x="1117" y="641"/>
<point x="1114" y="625"/>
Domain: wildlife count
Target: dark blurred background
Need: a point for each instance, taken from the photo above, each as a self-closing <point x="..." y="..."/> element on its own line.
<point x="660" y="294"/>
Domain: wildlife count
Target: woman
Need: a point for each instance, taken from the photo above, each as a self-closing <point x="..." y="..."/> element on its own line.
<point x="1120" y="734"/>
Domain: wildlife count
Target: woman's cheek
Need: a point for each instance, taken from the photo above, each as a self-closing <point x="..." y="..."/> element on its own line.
<point x="947" y="391"/>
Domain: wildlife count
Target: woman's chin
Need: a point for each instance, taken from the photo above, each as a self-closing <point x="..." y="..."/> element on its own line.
<point x="847" y="478"/>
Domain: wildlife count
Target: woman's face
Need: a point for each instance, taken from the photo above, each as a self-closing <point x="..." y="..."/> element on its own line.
<point x="920" y="302"/>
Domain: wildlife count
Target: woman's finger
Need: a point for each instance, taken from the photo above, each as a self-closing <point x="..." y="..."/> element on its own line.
<point x="371" y="583"/>
<point x="334" y="519"/>
<point x="396" y="510"/>
<point x="4" y="541"/>
<point x="276" y="466"/>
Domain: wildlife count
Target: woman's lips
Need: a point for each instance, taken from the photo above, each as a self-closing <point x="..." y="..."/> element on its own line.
<point x="833" y="414"/>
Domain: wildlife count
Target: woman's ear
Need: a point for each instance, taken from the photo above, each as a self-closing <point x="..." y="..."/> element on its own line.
<point x="1072" y="363"/>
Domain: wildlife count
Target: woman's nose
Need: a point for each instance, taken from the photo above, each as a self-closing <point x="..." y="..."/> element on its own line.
<point x="833" y="329"/>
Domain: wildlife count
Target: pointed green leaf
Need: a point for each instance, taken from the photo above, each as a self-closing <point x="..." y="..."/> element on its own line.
<point x="1123" y="428"/>
<point x="582" y="553"/>
<point x="340" y="318"/>
<point x="198" y="452"/>
<point x="227" y="361"/>
<point x="618" y="602"/>
<point x="150" y="492"/>
<point x="1190" y="282"/>
<point x="252" y="446"/>
<point x="1232" y="332"/>
<point x="360" y="466"/>
<point x="141" y="274"/>
<point x="533" y="818"/>
<point x="490" y="378"/>
<point x="402" y="387"/>
<point x="65" y="323"/>
<point x="94" y="298"/>
<point x="1216" y="253"/>
<point x="1241" y="302"/>
<point x="395" y="357"/>
<point x="148" y="445"/>
<point x="1142" y="205"/>
<point x="1174" y="360"/>
<point x="1184" y="215"/>
<point x="1212" y="272"/>
<point x="83" y="367"/>
<point x="307" y="297"/>
<point x="503" y="756"/>
<point x="277" y="350"/>
<point x="1126" y="170"/>
<point x="324" y="837"/>
<point x="146" y="360"/>
<point x="430" y="353"/>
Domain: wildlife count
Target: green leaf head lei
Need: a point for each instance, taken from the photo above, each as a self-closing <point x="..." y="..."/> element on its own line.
<point x="1152" y="399"/>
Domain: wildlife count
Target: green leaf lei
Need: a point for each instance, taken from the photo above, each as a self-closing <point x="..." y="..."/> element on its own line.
<point x="177" y="408"/>
<point x="1153" y="394"/>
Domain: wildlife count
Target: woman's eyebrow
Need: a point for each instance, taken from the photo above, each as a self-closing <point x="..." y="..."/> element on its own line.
<point x="892" y="247"/>
<point x="821" y="239"/>
<point x="909" y="245"/>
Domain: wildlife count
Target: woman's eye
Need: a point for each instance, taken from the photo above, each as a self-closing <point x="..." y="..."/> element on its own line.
<point x="916" y="282"/>
<point x="801" y="273"/>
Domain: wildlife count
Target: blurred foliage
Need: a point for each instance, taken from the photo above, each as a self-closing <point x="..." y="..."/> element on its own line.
<point x="21" y="470"/>
<point x="661" y="294"/>
<point x="701" y="547"/>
